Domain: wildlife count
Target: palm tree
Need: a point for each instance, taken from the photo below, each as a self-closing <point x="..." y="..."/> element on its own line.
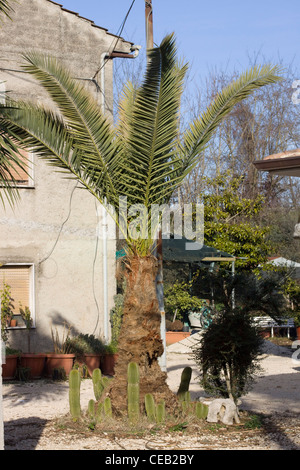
<point x="10" y="161"/>
<point x="142" y="158"/>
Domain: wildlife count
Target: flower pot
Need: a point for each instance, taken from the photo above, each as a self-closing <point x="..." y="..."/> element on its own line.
<point x="108" y="362"/>
<point x="175" y="336"/>
<point x="265" y="333"/>
<point x="13" y="323"/>
<point x="9" y="368"/>
<point x="298" y="332"/>
<point x="92" y="361"/>
<point x="34" y="362"/>
<point x="59" y="361"/>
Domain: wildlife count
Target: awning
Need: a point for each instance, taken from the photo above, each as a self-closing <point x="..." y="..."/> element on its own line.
<point x="186" y="251"/>
<point x="284" y="163"/>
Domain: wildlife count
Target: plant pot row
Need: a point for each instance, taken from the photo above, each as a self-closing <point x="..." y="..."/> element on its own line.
<point x="175" y="336"/>
<point x="44" y="365"/>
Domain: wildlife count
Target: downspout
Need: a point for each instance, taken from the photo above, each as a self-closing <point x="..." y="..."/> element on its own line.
<point x="104" y="57"/>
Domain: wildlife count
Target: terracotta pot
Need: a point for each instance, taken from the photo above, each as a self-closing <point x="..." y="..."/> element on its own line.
<point x="175" y="336"/>
<point x="298" y="332"/>
<point x="265" y="333"/>
<point x="92" y="361"/>
<point x="59" y="361"/>
<point x="13" y="323"/>
<point x="34" y="362"/>
<point x="108" y="362"/>
<point x="10" y="367"/>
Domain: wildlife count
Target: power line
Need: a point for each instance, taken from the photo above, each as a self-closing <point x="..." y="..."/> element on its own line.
<point x="118" y="34"/>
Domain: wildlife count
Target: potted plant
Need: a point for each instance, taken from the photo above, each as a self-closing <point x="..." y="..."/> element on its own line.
<point x="178" y="303"/>
<point x="175" y="332"/>
<point x="7" y="309"/>
<point x="61" y="358"/>
<point x="34" y="362"/>
<point x="10" y="363"/>
<point x="88" y="350"/>
<point x="109" y="359"/>
<point x="13" y="322"/>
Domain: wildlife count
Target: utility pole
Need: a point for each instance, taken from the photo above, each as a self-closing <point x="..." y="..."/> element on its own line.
<point x="159" y="255"/>
<point x="149" y="24"/>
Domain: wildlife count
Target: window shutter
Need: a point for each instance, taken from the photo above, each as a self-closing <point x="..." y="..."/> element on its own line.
<point x="21" y="176"/>
<point x="18" y="278"/>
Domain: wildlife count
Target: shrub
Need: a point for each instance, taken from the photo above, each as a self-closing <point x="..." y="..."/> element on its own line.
<point x="227" y="355"/>
<point x="116" y="315"/>
<point x="85" y="344"/>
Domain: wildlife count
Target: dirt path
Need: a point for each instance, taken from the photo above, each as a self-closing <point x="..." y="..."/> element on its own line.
<point x="30" y="408"/>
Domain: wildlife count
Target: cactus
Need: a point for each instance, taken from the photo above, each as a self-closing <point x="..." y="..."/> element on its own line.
<point x="186" y="402"/>
<point x="107" y="407"/>
<point x="99" y="413"/>
<point x="185" y="382"/>
<point x="201" y="410"/>
<point x="97" y="383"/>
<point x="133" y="392"/>
<point x="91" y="409"/>
<point x="74" y="394"/>
<point x="150" y="407"/>
<point x="160" y="412"/>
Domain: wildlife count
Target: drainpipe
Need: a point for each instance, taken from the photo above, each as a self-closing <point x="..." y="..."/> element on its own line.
<point x="104" y="57"/>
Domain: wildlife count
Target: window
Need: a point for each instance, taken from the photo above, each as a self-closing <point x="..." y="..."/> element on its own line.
<point x="24" y="178"/>
<point x="20" y="278"/>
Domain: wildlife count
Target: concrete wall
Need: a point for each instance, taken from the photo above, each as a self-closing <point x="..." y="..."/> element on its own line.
<point x="54" y="225"/>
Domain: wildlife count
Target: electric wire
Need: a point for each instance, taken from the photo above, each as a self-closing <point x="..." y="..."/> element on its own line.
<point x="62" y="226"/>
<point x="118" y="34"/>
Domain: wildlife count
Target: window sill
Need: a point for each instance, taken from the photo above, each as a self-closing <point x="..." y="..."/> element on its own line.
<point x="24" y="186"/>
<point x="20" y="327"/>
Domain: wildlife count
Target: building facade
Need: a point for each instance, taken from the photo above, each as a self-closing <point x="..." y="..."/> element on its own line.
<point x="51" y="254"/>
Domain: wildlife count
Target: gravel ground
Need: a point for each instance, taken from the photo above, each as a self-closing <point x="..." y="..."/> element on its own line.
<point x="31" y="411"/>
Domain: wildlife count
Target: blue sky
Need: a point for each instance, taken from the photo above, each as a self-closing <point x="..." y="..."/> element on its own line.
<point x="215" y="34"/>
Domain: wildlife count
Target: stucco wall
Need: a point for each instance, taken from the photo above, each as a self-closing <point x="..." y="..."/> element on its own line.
<point x="53" y="226"/>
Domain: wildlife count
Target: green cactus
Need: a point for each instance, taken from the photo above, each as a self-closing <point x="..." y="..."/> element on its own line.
<point x="133" y="392"/>
<point x="201" y="410"/>
<point x="186" y="402"/>
<point x="160" y="412"/>
<point x="97" y="383"/>
<point x="107" y="407"/>
<point x="150" y="407"/>
<point x="185" y="382"/>
<point x="74" y="394"/>
<point x="99" y="412"/>
<point x="91" y="409"/>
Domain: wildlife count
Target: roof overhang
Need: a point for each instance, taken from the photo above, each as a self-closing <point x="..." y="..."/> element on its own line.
<point x="284" y="163"/>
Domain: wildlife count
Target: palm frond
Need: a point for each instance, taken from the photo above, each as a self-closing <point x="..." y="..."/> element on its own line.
<point x="152" y="124"/>
<point x="6" y="8"/>
<point x="93" y="136"/>
<point x="198" y="135"/>
<point x="46" y="135"/>
<point x="10" y="165"/>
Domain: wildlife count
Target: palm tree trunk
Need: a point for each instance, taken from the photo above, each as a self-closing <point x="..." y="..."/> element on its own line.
<point x="140" y="337"/>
